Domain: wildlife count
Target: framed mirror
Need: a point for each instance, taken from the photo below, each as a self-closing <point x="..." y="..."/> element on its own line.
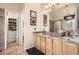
<point x="44" y="20"/>
<point x="33" y="17"/>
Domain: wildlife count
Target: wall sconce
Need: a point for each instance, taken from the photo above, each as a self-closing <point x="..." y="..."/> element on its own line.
<point x="69" y="17"/>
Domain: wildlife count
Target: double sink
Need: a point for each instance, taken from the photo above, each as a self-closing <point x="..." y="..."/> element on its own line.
<point x="74" y="39"/>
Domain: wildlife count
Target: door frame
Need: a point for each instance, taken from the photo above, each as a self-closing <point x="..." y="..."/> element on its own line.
<point x="8" y="14"/>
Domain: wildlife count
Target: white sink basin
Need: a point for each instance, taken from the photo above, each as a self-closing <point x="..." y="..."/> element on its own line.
<point x="71" y="39"/>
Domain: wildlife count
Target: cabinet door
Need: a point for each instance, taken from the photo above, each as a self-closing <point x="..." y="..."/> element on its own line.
<point x="54" y="46"/>
<point x="71" y="49"/>
<point x="38" y="42"/>
<point x="64" y="48"/>
<point x="43" y="44"/>
<point x="35" y="40"/>
<point x="49" y="46"/>
<point x="57" y="46"/>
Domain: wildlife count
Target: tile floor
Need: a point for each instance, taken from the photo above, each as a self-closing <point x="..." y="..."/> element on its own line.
<point x="14" y="49"/>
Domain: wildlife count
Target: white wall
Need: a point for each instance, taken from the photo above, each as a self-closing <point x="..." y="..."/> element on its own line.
<point x="23" y="12"/>
<point x="28" y="29"/>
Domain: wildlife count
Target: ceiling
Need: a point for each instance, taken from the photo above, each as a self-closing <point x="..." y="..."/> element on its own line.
<point x="53" y="6"/>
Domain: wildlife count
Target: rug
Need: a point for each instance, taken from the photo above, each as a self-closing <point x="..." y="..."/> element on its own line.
<point x="34" y="51"/>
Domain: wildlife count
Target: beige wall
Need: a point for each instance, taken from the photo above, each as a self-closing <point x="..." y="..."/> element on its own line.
<point x="12" y="6"/>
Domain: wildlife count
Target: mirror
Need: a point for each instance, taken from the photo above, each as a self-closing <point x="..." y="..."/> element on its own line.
<point x="67" y="25"/>
<point x="56" y="26"/>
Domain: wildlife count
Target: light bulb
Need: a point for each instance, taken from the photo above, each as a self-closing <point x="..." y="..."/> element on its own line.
<point x="49" y="5"/>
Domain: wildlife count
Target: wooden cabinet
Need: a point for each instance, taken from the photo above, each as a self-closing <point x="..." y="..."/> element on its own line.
<point x="71" y="49"/>
<point x="35" y="40"/>
<point x="38" y="42"/>
<point x="64" y="48"/>
<point x="57" y="46"/>
<point x="49" y="46"/>
<point x="54" y="44"/>
<point x="43" y="44"/>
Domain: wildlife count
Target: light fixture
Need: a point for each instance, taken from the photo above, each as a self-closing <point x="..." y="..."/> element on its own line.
<point x="69" y="17"/>
<point x="49" y="5"/>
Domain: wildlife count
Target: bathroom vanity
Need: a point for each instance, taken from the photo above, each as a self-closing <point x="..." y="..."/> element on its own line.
<point x="64" y="39"/>
<point x="52" y="45"/>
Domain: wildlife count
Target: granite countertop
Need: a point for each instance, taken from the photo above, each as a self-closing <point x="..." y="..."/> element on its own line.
<point x="74" y="40"/>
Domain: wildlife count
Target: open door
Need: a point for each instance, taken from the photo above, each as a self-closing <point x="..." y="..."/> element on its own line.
<point x="12" y="33"/>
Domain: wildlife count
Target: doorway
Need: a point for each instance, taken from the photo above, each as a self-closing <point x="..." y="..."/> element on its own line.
<point x="12" y="33"/>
